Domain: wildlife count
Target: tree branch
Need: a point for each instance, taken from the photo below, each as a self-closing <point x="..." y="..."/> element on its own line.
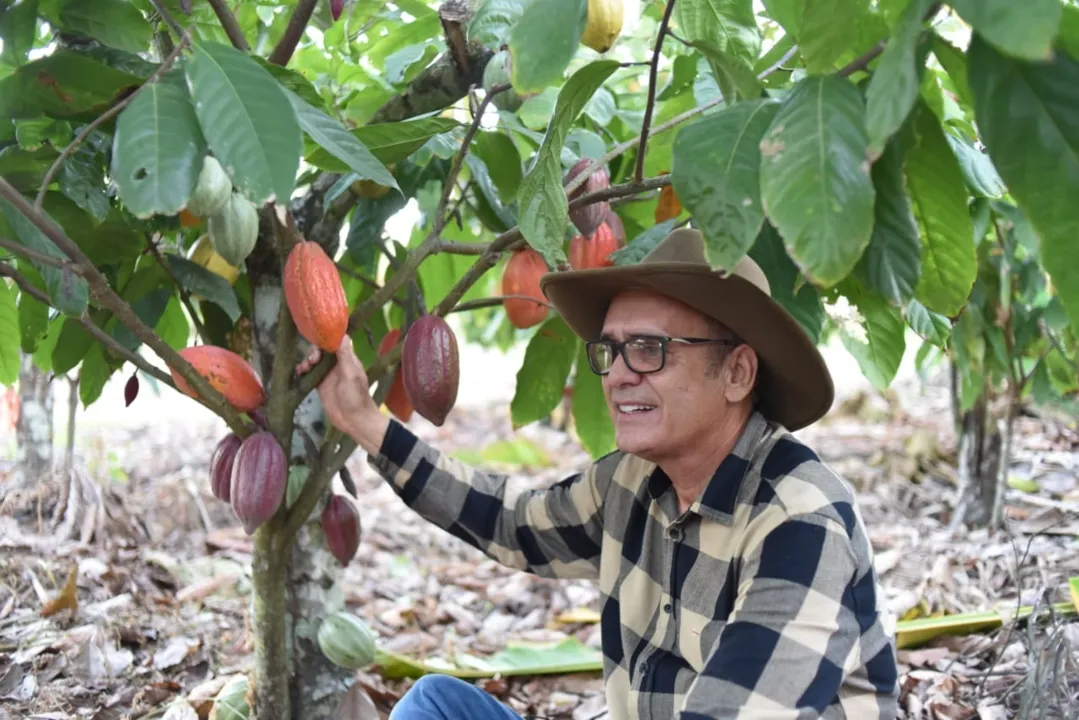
<point x="638" y="172"/>
<point x="296" y="26"/>
<point x="228" y="21"/>
<point x="38" y="257"/>
<point x="493" y="301"/>
<point x="102" y="293"/>
<point x="185" y="296"/>
<point x="862" y="62"/>
<point x="168" y="17"/>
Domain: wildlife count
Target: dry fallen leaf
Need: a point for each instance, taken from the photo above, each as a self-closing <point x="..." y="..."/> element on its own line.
<point x="356" y="705"/>
<point x="68" y="598"/>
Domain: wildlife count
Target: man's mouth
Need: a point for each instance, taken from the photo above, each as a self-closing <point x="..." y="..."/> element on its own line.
<point x="634" y="409"/>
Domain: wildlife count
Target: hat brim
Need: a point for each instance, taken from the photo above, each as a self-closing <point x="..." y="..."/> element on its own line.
<point x="796" y="388"/>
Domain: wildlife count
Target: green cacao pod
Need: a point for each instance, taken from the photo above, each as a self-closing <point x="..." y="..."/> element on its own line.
<point x="497" y="72"/>
<point x="235" y="229"/>
<point x="347" y="641"/>
<point x="211" y="191"/>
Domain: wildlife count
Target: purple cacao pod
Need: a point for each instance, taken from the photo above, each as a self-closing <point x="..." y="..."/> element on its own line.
<point x="341" y="526"/>
<point x="589" y="217"/>
<point x="336" y="6"/>
<point x="221" y="463"/>
<point x="259" y="480"/>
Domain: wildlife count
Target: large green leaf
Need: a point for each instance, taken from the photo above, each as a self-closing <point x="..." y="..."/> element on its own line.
<point x="389" y="142"/>
<point x="823" y="29"/>
<point x="110" y="241"/>
<point x="894" y="86"/>
<point x="955" y="64"/>
<point x="81" y="180"/>
<point x="247" y="120"/>
<point x="33" y="315"/>
<point x="591" y="418"/>
<point x="543" y="208"/>
<point x="815" y="177"/>
<point x="116" y="23"/>
<point x="158" y="149"/>
<point x="94" y="373"/>
<point x="982" y="177"/>
<point x="1026" y="113"/>
<point x="880" y="350"/>
<point x="892" y="261"/>
<point x="543" y="41"/>
<point x="63" y="84"/>
<point x="494" y="19"/>
<point x="715" y="173"/>
<point x="18" y="29"/>
<point x="542" y="377"/>
<point x="68" y="292"/>
<point x="939" y="200"/>
<point x="339" y="142"/>
<point x="726" y="32"/>
<point x="200" y="281"/>
<point x="9" y="336"/>
<point x="1024" y="29"/>
<point x="932" y="327"/>
<point x="787" y="285"/>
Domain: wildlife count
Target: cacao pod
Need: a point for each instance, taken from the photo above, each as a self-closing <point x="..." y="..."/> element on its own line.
<point x="315" y="296"/>
<point x="431" y="367"/>
<point x="522" y="277"/>
<point x="617" y="228"/>
<point x="259" y="480"/>
<point x="594" y="252"/>
<point x="226" y="371"/>
<point x="498" y="71"/>
<point x="336" y="6"/>
<point x="212" y="189"/>
<point x="202" y="253"/>
<point x="586" y="219"/>
<point x="604" y="24"/>
<point x="341" y="526"/>
<point x="396" y="401"/>
<point x="221" y="463"/>
<point x="347" y="641"/>
<point x="235" y="229"/>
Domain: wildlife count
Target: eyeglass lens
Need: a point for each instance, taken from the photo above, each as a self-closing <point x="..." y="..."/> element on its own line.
<point x="642" y="355"/>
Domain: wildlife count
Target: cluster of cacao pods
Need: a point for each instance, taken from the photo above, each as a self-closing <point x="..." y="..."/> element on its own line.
<point x="251" y="475"/>
<point x="232" y="222"/>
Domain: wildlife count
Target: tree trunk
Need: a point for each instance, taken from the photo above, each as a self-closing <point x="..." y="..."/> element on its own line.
<point x="34" y="428"/>
<point x="980" y="444"/>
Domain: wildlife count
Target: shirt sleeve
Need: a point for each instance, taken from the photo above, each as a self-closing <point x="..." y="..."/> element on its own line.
<point x="794" y="627"/>
<point x="554" y="532"/>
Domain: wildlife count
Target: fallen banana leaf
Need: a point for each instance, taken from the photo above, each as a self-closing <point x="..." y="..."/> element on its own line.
<point x="566" y="656"/>
<point x="912" y="633"/>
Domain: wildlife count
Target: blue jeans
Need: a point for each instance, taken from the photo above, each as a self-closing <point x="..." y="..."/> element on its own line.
<point x="444" y="697"/>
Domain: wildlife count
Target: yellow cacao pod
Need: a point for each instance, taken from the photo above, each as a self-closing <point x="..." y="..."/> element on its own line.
<point x="347" y="641"/>
<point x="235" y="229"/>
<point x="203" y="253"/>
<point x="211" y="191"/>
<point x="604" y="24"/>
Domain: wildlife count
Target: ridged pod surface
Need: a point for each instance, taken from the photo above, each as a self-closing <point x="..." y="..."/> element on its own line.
<point x="259" y="480"/>
<point x="347" y="640"/>
<point x="594" y="252"/>
<point x="234" y="230"/>
<point x="521" y="276"/>
<point x="221" y="463"/>
<point x="315" y="296"/>
<point x="341" y="526"/>
<point x="226" y="371"/>
<point x="586" y="219"/>
<point x="396" y="399"/>
<point x="430" y="364"/>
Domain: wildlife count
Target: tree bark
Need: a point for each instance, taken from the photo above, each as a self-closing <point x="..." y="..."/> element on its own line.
<point x="980" y="446"/>
<point x="34" y="428"/>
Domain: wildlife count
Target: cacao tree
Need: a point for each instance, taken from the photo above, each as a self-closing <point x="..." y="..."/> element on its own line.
<point x="194" y="192"/>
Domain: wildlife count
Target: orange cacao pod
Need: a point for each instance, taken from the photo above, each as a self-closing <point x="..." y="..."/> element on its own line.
<point x="431" y="367"/>
<point x="259" y="480"/>
<point x="588" y="218"/>
<point x="221" y="463"/>
<point x="396" y="399"/>
<point x="522" y="277"/>
<point x="617" y="228"/>
<point x="594" y="252"/>
<point x="226" y="371"/>
<point x="341" y="526"/>
<point x="315" y="296"/>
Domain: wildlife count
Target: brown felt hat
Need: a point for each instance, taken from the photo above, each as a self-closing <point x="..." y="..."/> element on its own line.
<point x="795" y="386"/>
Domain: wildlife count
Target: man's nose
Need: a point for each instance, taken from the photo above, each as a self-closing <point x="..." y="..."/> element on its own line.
<point x="621" y="373"/>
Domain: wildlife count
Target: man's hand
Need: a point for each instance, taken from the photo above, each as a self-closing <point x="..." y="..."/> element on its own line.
<point x="345" y="394"/>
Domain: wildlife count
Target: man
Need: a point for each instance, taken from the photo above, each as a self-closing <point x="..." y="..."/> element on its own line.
<point x="735" y="570"/>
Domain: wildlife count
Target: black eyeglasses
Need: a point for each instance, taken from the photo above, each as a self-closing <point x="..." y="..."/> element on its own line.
<point x="643" y="354"/>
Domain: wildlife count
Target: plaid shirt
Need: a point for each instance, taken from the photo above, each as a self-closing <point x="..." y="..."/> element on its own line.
<point x="760" y="601"/>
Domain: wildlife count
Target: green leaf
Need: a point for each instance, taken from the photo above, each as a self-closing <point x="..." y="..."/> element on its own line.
<point x="880" y="351"/>
<point x="72" y="344"/>
<point x="892" y="261"/>
<point x="726" y="32"/>
<point x="18" y="29"/>
<point x="116" y="23"/>
<point x="815" y="177"/>
<point x="646" y="242"/>
<point x="199" y="281"/>
<point x="1026" y="113"/>
<point x="68" y="292"/>
<point x="823" y="28"/>
<point x="93" y="375"/>
<point x="247" y="120"/>
<point x="33" y="320"/>
<point x="63" y="84"/>
<point x="543" y="210"/>
<point x="787" y="285"/>
<point x="1068" y="39"/>
<point x="715" y="173"/>
<point x="543" y="41"/>
<point x="81" y="179"/>
<point x="106" y="242"/>
<point x="939" y="200"/>
<point x="894" y="85"/>
<point x="932" y="327"/>
<point x="954" y="63"/>
<point x="503" y="161"/>
<point x="978" y="170"/>
<point x="9" y="336"/>
<point x="542" y="377"/>
<point x="158" y="150"/>
<point x="493" y="20"/>
<point x="47" y="344"/>
<point x="339" y="142"/>
<point x="1025" y="30"/>
<point x="173" y="326"/>
<point x="591" y="419"/>
<point x="389" y="142"/>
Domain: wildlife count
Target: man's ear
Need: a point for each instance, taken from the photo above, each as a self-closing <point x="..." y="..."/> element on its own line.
<point x="742" y="369"/>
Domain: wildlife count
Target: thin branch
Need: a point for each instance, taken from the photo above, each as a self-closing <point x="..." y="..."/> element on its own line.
<point x="495" y="300"/>
<point x="620" y="191"/>
<point x="84" y="320"/>
<point x="462" y="248"/>
<point x="862" y="62"/>
<point x="39" y="257"/>
<point x="779" y="63"/>
<point x="451" y="179"/>
<point x="185" y="38"/>
<point x="228" y="21"/>
<point x="168" y="17"/>
<point x="649" y="107"/>
<point x="296" y="26"/>
<point x="185" y="296"/>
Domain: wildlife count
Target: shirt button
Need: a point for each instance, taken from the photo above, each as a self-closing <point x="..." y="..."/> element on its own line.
<point x="674" y="534"/>
<point x="667" y="608"/>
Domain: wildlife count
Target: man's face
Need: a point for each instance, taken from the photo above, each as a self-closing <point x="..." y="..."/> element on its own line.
<point x="683" y="401"/>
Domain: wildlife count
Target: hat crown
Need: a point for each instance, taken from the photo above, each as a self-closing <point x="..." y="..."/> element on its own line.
<point x="686" y="245"/>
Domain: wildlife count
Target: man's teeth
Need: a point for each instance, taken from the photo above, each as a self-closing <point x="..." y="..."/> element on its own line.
<point x="635" y="408"/>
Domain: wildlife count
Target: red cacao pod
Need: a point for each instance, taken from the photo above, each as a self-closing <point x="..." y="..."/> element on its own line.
<point x="221" y="463"/>
<point x="336" y="6"/>
<point x="315" y="296"/>
<point x="522" y="277"/>
<point x="588" y="218"/>
<point x="226" y="371"/>
<point x="594" y="252"/>
<point x="431" y="367"/>
<point x="617" y="228"/>
<point x="396" y="399"/>
<point x="259" y="480"/>
<point x="341" y="526"/>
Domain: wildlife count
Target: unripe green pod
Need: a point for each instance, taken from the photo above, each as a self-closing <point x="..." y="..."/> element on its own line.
<point x="235" y="230"/>
<point x="211" y="191"/>
<point x="347" y="641"/>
